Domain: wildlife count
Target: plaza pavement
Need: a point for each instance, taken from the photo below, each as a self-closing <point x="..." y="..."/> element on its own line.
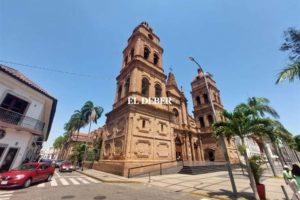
<point x="212" y="185"/>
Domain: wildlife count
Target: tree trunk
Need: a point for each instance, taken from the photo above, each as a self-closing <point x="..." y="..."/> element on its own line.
<point x="86" y="144"/>
<point x="250" y="174"/>
<point x="279" y="154"/>
<point x="269" y="157"/>
<point x="228" y="166"/>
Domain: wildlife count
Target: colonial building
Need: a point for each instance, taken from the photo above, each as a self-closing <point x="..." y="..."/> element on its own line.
<point x="138" y="133"/>
<point x="49" y="153"/>
<point x="68" y="147"/>
<point x="26" y="116"/>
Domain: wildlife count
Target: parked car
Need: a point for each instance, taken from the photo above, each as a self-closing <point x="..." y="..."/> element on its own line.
<point x="26" y="174"/>
<point x="58" y="163"/>
<point x="66" y="166"/>
<point x="49" y="161"/>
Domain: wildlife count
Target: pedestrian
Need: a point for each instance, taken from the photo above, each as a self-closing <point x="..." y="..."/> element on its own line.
<point x="287" y="174"/>
<point x="289" y="180"/>
<point x="296" y="174"/>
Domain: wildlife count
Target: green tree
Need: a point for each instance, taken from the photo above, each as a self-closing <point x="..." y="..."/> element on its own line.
<point x="292" y="46"/>
<point x="75" y="123"/>
<point x="297" y="141"/>
<point x="58" y="142"/>
<point x="78" y="151"/>
<point x="240" y="123"/>
<point x="260" y="107"/>
<point x="90" y="114"/>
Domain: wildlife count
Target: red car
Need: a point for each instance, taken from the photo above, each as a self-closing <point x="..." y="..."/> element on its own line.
<point x="66" y="166"/>
<point x="26" y="174"/>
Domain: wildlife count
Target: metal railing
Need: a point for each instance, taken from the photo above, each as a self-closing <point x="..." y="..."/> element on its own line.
<point x="150" y="165"/>
<point x="18" y="119"/>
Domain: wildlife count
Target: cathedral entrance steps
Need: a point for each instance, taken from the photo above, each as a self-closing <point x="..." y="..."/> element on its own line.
<point x="205" y="167"/>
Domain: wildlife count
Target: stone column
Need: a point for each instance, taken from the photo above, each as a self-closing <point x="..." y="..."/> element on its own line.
<point x="201" y="148"/>
<point x="192" y="147"/>
<point x="186" y="147"/>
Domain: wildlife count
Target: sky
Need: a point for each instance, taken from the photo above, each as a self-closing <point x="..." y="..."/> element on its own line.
<point x="237" y="41"/>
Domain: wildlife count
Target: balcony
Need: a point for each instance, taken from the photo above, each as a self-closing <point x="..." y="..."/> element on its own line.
<point x="18" y="119"/>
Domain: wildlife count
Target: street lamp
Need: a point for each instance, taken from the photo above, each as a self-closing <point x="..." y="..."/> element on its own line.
<point x="222" y="138"/>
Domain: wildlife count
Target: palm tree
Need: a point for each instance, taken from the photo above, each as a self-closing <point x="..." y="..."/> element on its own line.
<point x="74" y="124"/>
<point x="291" y="72"/>
<point x="260" y="107"/>
<point x="292" y="45"/>
<point x="240" y="123"/>
<point x="90" y="113"/>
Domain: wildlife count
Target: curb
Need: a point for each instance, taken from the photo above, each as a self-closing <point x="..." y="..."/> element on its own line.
<point x="106" y="181"/>
<point x="216" y="197"/>
<point x="209" y="196"/>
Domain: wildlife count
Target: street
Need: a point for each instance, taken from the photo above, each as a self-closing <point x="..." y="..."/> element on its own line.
<point x="76" y="186"/>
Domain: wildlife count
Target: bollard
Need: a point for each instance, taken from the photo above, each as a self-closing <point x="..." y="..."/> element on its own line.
<point x="284" y="192"/>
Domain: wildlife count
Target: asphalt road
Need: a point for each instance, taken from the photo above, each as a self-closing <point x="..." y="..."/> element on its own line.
<point x="75" y="186"/>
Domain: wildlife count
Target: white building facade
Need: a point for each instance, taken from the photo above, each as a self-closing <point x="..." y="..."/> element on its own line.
<point x="252" y="147"/>
<point x="49" y="153"/>
<point x="26" y="116"/>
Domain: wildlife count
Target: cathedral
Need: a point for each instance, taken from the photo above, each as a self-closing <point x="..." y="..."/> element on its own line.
<point x="137" y="134"/>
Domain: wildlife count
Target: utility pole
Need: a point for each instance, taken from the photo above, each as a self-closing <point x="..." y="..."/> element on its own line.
<point x="222" y="140"/>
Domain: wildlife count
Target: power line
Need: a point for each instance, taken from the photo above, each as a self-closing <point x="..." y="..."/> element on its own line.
<point x="49" y="69"/>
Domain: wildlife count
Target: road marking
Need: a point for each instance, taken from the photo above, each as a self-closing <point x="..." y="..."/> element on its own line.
<point x="5" y="198"/>
<point x="74" y="181"/>
<point x="6" y="192"/>
<point x="82" y="180"/>
<point x="63" y="181"/>
<point x="5" y="195"/>
<point x="92" y="180"/>
<point x="57" y="174"/>
<point x="53" y="182"/>
<point x="41" y="185"/>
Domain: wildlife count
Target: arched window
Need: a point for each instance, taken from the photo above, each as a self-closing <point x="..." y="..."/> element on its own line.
<point x="120" y="92"/>
<point x="126" y="60"/>
<point x="155" y="59"/>
<point x="198" y="100"/>
<point x="210" y="120"/>
<point x="131" y="54"/>
<point x="126" y="86"/>
<point x="146" y="53"/>
<point x="157" y="90"/>
<point x="201" y="121"/>
<point x="176" y="115"/>
<point x="205" y="97"/>
<point x="215" y="97"/>
<point x="145" y="87"/>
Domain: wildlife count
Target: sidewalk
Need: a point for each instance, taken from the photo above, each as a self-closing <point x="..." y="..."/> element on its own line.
<point x="106" y="177"/>
<point x="212" y="185"/>
<point x="217" y="185"/>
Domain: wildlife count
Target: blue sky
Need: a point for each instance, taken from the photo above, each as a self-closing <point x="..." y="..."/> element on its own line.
<point x="237" y="41"/>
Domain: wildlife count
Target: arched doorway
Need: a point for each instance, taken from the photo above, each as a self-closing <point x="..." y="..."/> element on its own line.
<point x="209" y="155"/>
<point x="178" y="148"/>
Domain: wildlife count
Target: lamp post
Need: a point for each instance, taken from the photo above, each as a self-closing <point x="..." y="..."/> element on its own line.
<point x="229" y="169"/>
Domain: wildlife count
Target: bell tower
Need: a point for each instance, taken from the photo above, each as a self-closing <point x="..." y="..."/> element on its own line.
<point x="138" y="133"/>
<point x="141" y="67"/>
<point x="204" y="117"/>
